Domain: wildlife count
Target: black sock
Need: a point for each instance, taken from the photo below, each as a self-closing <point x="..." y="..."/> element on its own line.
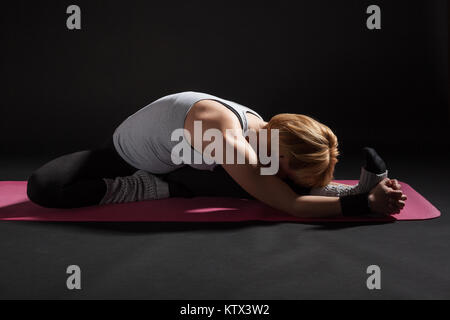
<point x="374" y="163"/>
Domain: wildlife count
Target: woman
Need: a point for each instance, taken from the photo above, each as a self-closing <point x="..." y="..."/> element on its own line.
<point x="138" y="163"/>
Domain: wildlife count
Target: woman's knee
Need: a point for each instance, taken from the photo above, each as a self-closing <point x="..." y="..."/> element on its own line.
<point x="42" y="191"/>
<point x="45" y="185"/>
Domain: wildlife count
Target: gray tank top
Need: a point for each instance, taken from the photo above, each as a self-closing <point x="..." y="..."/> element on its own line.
<point x="144" y="139"/>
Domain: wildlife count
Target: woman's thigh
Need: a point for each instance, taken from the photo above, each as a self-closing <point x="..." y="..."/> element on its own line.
<point x="187" y="181"/>
<point x="76" y="179"/>
<point x="190" y="182"/>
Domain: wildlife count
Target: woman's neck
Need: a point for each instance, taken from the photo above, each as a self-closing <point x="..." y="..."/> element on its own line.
<point x="255" y="122"/>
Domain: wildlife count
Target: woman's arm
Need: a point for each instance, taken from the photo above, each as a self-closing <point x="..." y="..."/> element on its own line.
<point x="381" y="200"/>
<point x="276" y="193"/>
<point x="269" y="189"/>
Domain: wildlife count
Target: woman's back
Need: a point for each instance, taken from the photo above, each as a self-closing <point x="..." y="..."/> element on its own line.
<point x="144" y="138"/>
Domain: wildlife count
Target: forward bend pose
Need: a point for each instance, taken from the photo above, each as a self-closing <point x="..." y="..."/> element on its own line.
<point x="139" y="163"/>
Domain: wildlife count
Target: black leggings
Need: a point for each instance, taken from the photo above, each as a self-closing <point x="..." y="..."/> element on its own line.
<point x="76" y="179"/>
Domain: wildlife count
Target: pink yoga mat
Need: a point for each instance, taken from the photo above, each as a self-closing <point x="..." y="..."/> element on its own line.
<point x="14" y="205"/>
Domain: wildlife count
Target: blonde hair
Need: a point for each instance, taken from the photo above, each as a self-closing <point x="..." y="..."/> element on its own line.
<point x="311" y="145"/>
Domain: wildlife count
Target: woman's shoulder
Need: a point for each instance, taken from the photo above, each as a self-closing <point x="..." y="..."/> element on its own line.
<point x="212" y="114"/>
<point x="209" y="109"/>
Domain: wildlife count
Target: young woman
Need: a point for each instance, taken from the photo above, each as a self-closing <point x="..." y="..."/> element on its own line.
<point x="138" y="163"/>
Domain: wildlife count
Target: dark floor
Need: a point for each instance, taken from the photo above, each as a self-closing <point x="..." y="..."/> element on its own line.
<point x="236" y="260"/>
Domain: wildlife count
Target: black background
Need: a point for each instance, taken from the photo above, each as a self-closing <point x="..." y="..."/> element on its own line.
<point x="64" y="90"/>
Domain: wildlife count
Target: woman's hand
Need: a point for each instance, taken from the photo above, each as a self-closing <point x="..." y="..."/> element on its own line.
<point x="387" y="198"/>
<point x="394" y="184"/>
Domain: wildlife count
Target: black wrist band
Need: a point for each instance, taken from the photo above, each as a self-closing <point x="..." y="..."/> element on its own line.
<point x="355" y="205"/>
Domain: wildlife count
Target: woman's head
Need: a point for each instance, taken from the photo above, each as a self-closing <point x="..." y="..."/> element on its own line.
<point x="308" y="149"/>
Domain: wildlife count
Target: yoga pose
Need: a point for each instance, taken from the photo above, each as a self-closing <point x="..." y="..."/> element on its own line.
<point x="138" y="163"/>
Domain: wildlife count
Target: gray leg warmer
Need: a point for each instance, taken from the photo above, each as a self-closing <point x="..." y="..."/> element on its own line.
<point x="367" y="181"/>
<point x="140" y="186"/>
